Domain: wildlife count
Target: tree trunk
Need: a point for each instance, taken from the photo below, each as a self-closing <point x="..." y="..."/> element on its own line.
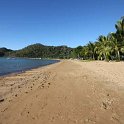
<point x="118" y="53"/>
<point x="105" y="57"/>
<point x="93" y="57"/>
<point x="78" y="56"/>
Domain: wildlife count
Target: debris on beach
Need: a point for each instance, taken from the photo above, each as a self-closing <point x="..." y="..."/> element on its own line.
<point x="1" y="99"/>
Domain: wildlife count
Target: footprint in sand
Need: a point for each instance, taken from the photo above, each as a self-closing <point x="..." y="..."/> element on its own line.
<point x="4" y="110"/>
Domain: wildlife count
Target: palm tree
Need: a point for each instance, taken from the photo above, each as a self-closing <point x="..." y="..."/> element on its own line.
<point x="116" y="47"/>
<point x="120" y="30"/>
<point x="85" y="52"/>
<point x="91" y="50"/>
<point x="120" y="25"/>
<point x="78" y="51"/>
<point x="103" y="48"/>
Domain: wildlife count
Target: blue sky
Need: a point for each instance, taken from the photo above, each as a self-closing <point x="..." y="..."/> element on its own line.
<point x="56" y="22"/>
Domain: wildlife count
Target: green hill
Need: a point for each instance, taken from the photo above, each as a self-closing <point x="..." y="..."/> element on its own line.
<point x="4" y="51"/>
<point x="42" y="51"/>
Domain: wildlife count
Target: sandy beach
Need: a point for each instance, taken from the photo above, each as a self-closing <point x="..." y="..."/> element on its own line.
<point x="68" y="92"/>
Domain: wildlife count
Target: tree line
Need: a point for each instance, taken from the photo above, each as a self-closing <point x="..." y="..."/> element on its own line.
<point x="110" y="47"/>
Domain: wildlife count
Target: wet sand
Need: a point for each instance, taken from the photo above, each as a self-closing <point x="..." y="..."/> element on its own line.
<point x="69" y="92"/>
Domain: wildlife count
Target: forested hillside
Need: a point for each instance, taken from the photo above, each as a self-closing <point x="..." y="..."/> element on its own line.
<point x="42" y="51"/>
<point x="4" y="52"/>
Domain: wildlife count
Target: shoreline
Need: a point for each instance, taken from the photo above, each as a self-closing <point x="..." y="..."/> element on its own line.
<point x="14" y="74"/>
<point x="23" y="71"/>
<point x="65" y="92"/>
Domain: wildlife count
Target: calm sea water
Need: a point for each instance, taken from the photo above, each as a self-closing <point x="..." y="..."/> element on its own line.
<point x="12" y="65"/>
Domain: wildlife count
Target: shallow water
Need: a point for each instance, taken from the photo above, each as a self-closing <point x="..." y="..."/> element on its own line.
<point x="12" y="65"/>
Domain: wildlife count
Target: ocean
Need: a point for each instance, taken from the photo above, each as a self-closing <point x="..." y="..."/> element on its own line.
<point x="13" y="65"/>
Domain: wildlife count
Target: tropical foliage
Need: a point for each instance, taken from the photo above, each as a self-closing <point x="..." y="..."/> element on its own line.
<point x="110" y="47"/>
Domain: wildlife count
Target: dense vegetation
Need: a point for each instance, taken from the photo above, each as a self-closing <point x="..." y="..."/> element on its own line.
<point x="4" y="52"/>
<point x="110" y="47"/>
<point x="41" y="51"/>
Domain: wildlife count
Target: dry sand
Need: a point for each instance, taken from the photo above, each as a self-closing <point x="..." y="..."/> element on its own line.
<point x="69" y="92"/>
